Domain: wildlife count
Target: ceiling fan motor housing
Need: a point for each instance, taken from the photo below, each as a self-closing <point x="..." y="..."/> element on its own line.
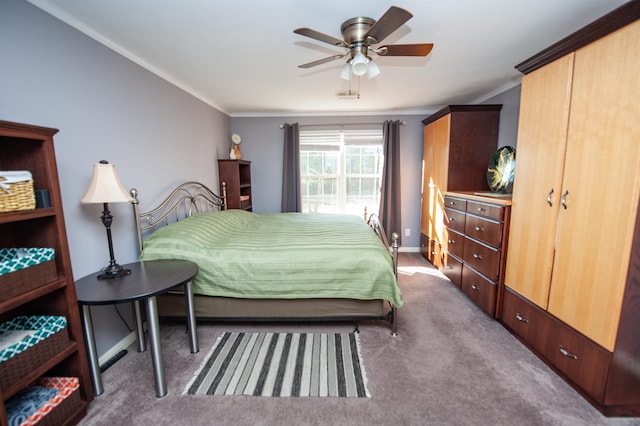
<point x="354" y="29"/>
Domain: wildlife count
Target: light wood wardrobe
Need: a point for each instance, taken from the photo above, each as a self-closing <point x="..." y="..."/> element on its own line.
<point x="573" y="266"/>
<point x="459" y="141"/>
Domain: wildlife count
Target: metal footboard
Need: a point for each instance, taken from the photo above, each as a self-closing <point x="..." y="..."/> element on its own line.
<point x="374" y="222"/>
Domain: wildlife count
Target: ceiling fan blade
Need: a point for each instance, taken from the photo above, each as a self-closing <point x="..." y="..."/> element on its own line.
<point x="308" y="32"/>
<point x="321" y="61"/>
<point x="405" y="49"/>
<point x="388" y="23"/>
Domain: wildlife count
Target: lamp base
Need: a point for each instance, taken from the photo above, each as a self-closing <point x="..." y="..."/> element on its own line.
<point x="111" y="273"/>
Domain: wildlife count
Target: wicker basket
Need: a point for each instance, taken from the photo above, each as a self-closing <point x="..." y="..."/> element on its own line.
<point x="16" y="191"/>
<point x="20" y="359"/>
<point x="59" y="409"/>
<point x="25" y="269"/>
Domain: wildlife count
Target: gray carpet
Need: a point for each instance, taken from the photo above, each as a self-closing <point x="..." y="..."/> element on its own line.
<point x="451" y="364"/>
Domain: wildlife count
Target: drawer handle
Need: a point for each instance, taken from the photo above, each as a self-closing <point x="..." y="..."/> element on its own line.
<point x="566" y="353"/>
<point x="449" y="267"/>
<point x="451" y="219"/>
<point x="521" y="318"/>
<point x="475" y="287"/>
<point x="452" y="241"/>
<point x="564" y="199"/>
<point x="481" y="209"/>
<point x="477" y="256"/>
<point x="549" y="198"/>
<point x="435" y="253"/>
<point x="452" y="203"/>
<point x="479" y="228"/>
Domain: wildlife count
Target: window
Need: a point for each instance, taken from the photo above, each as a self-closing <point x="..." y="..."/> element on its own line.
<point x="341" y="170"/>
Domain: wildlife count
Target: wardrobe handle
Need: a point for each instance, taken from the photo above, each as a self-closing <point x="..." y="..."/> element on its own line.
<point x="566" y="353"/>
<point x="549" y="198"/>
<point x="563" y="200"/>
<point x="521" y="318"/>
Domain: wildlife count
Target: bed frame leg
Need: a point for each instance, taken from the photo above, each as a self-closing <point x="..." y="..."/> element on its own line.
<point x="392" y="318"/>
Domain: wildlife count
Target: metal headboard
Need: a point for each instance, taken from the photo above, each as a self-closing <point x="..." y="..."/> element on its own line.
<point x="187" y="199"/>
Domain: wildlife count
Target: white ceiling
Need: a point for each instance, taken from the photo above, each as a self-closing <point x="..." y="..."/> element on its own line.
<point x="242" y="57"/>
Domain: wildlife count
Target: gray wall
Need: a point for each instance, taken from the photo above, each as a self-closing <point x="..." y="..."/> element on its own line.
<point x="106" y="107"/>
<point x="262" y="143"/>
<point x="510" y="100"/>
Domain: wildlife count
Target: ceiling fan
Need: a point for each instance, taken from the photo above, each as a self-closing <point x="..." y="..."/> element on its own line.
<point x="359" y="35"/>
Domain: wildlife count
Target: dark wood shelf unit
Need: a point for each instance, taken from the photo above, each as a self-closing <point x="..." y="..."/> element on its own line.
<point x="236" y="175"/>
<point x="27" y="147"/>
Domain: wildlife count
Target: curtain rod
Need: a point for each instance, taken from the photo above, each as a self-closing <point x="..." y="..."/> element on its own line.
<point x="341" y="124"/>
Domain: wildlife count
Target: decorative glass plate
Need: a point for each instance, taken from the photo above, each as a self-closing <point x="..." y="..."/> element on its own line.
<point x="501" y="170"/>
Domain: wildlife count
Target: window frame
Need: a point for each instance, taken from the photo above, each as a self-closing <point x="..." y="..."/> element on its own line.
<point x="340" y="140"/>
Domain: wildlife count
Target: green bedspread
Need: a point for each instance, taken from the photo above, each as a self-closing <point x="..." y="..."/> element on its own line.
<point x="279" y="256"/>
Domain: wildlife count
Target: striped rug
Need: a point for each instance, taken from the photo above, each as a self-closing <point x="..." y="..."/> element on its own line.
<point x="282" y="364"/>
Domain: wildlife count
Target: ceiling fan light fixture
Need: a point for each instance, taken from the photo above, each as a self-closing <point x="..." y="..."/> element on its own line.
<point x="372" y="70"/>
<point x="345" y="74"/>
<point x="359" y="64"/>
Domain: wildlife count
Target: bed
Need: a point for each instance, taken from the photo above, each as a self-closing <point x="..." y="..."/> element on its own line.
<point x="271" y="267"/>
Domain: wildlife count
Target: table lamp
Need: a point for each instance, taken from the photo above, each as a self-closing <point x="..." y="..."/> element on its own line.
<point x="105" y="188"/>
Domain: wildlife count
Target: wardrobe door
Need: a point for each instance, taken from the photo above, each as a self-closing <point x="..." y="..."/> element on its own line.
<point x="542" y="129"/>
<point x="441" y="172"/>
<point x="428" y="182"/>
<point x="601" y="187"/>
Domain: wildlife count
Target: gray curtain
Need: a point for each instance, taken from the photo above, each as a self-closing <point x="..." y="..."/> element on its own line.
<point x="390" y="198"/>
<point x="291" y="191"/>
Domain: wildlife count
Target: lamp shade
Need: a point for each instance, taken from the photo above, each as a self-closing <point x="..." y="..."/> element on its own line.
<point x="359" y="64"/>
<point x="372" y="70"/>
<point x="105" y="186"/>
<point x="345" y="74"/>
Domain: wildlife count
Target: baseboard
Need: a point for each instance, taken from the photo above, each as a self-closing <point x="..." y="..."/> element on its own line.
<point x="115" y="349"/>
<point x="409" y="249"/>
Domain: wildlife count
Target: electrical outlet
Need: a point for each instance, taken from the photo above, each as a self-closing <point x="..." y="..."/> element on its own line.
<point x="407" y="232"/>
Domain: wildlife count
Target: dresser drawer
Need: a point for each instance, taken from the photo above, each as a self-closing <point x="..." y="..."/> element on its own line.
<point x="485" y="230"/>
<point x="455" y="203"/>
<point x="525" y="319"/>
<point x="424" y="245"/>
<point x="479" y="289"/>
<point x="453" y="242"/>
<point x="581" y="360"/>
<point x="487" y="210"/>
<point x="433" y="252"/>
<point x="481" y="257"/>
<point x="454" y="219"/>
<point x="452" y="268"/>
<point x="577" y="358"/>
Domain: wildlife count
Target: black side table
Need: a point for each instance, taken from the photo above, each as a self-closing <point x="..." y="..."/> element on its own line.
<point x="146" y="280"/>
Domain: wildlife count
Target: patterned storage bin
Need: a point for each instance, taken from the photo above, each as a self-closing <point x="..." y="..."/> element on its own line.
<point x="24" y="269"/>
<point x="29" y="341"/>
<point x="30" y="408"/>
<point x="16" y="191"/>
